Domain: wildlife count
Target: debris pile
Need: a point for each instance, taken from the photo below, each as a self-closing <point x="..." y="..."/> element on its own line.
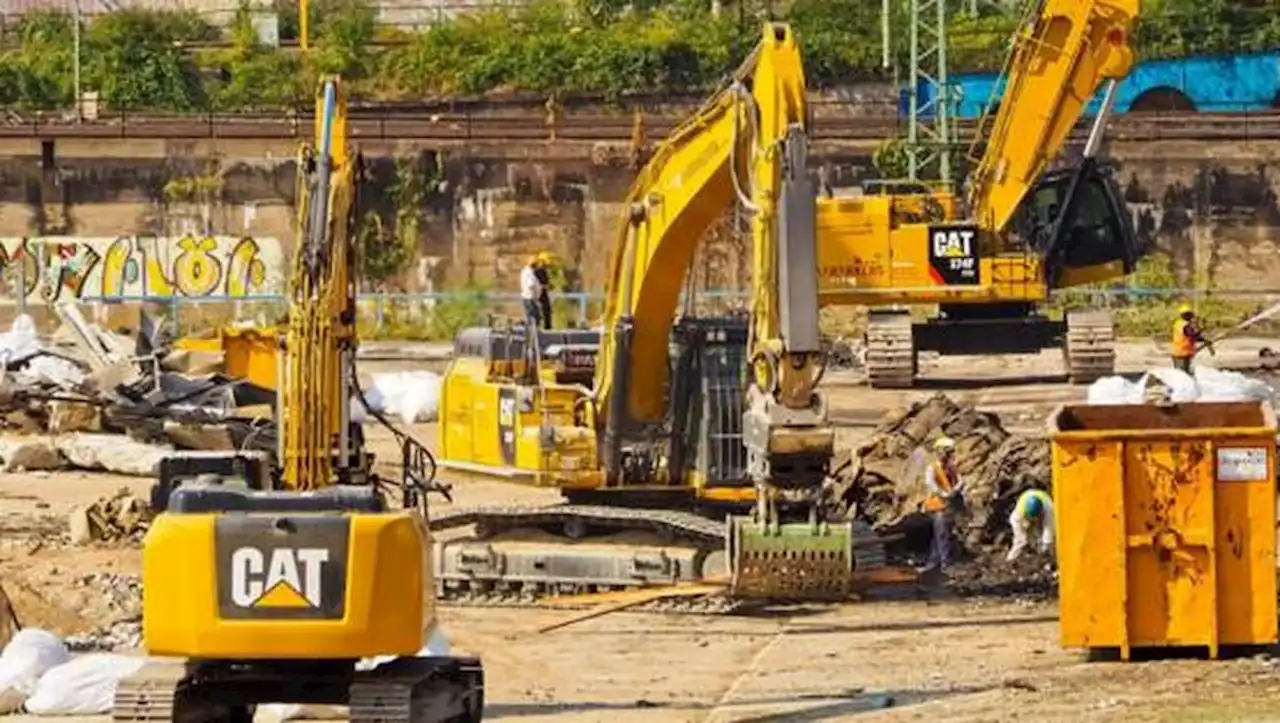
<point x="122" y="629"/>
<point x="121" y="516"/>
<point x="94" y="400"/>
<point x="996" y="466"/>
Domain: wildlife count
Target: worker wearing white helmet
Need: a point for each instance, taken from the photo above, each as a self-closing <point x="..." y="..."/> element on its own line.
<point x="944" y="487"/>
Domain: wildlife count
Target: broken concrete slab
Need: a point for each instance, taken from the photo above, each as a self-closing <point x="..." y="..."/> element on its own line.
<point x="18" y="454"/>
<point x="111" y="452"/>
<point x="67" y="417"/>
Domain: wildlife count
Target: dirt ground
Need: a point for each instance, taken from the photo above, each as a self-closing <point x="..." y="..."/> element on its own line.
<point x="941" y="658"/>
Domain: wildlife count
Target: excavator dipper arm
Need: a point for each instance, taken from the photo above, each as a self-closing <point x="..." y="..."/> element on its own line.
<point x="747" y="146"/>
<point x="743" y="145"/>
<point x="1062" y="55"/>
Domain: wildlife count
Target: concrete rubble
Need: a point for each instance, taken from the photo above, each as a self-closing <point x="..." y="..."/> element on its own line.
<point x="121" y="516"/>
<point x="888" y="474"/>
<point x="25" y="454"/>
<point x="80" y="399"/>
<point x="111" y="453"/>
<point x="123" y="629"/>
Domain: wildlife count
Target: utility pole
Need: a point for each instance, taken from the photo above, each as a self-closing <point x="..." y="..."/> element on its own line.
<point x="75" y="35"/>
<point x="931" y="134"/>
<point x="929" y="130"/>
<point x="304" y="24"/>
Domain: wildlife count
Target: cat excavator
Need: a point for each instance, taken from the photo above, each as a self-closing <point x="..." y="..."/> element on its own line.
<point x="644" y="426"/>
<point x="988" y="263"/>
<point x="302" y="579"/>
<point x="710" y="434"/>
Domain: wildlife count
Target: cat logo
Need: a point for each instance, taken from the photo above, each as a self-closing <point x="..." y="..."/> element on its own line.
<point x="286" y="578"/>
<point x="953" y="243"/>
<point x="507" y="411"/>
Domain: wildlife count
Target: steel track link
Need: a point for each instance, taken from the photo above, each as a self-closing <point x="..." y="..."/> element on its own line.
<point x="891" y="352"/>
<point x="149" y="694"/>
<point x="708" y="605"/>
<point x="1089" y="349"/>
<point x="418" y="690"/>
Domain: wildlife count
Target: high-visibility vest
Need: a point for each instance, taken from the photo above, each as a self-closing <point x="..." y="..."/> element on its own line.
<point x="934" y="503"/>
<point x="1184" y="347"/>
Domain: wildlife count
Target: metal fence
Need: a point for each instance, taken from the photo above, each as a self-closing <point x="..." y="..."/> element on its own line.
<point x="480" y="124"/>
<point x="438" y="315"/>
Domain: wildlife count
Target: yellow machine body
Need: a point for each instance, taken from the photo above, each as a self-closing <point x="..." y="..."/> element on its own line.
<point x="867" y="256"/>
<point x="1023" y="230"/>
<point x="248" y="353"/>
<point x="270" y="592"/>
<point x="493" y="424"/>
<point x="342" y="586"/>
<point x="1166" y="525"/>
<point x="729" y="410"/>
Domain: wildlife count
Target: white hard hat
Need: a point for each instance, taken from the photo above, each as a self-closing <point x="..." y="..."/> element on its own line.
<point x="944" y="443"/>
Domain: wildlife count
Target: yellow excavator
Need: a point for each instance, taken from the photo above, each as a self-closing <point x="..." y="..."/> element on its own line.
<point x="1022" y="231"/>
<point x="644" y="426"/>
<point x="669" y="424"/>
<point x="266" y="583"/>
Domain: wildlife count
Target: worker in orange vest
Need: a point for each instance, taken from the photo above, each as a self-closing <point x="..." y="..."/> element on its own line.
<point x="944" y="487"/>
<point x="1187" y="339"/>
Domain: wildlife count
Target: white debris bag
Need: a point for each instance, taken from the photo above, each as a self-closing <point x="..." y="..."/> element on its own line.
<point x="1182" y="387"/>
<point x="28" y="656"/>
<point x="1115" y="390"/>
<point x="84" y="686"/>
<point x="1217" y="385"/>
<point x="1208" y="385"/>
<point x="411" y="396"/>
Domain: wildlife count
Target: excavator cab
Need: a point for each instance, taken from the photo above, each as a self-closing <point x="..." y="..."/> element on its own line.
<point x="1076" y="220"/>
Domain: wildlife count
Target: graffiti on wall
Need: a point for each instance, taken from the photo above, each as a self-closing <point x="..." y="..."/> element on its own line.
<point x="54" y="268"/>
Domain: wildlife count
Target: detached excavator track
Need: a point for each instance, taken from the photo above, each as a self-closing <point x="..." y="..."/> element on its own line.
<point x="482" y="571"/>
<point x="1089" y="348"/>
<point x="891" y="351"/>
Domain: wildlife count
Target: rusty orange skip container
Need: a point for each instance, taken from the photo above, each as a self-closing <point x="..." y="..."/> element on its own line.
<point x="1165" y="524"/>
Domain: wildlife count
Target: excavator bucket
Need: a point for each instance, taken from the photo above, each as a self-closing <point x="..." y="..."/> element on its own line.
<point x="799" y="561"/>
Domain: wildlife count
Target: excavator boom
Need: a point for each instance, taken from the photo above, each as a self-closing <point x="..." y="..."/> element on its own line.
<point x="1063" y="53"/>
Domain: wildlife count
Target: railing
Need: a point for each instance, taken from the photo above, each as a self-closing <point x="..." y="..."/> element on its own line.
<point x="379" y="314"/>
<point x="469" y="126"/>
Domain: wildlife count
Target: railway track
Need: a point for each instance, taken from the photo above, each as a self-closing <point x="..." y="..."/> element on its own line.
<point x="447" y="128"/>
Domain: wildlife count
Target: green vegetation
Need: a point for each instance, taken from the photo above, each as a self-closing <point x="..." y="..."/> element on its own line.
<point x="386" y="249"/>
<point x="414" y="320"/>
<point x="1150" y="314"/>
<point x="177" y="61"/>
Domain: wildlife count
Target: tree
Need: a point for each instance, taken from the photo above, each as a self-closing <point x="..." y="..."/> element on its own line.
<point x="386" y="252"/>
<point x="135" y="59"/>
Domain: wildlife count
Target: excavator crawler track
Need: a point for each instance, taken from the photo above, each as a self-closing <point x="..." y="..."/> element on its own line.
<point x="671" y="524"/>
<point x="405" y="690"/>
<point x="418" y="690"/>
<point x="1089" y="348"/>
<point x="483" y="571"/>
<point x="150" y="693"/>
<point x="891" y="351"/>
